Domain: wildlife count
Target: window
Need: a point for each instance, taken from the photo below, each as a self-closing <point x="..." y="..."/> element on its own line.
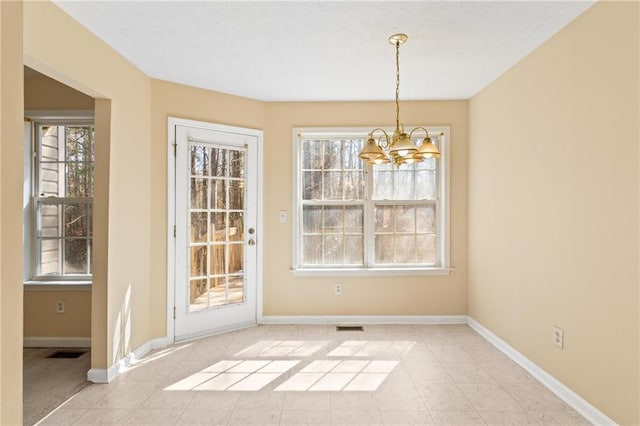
<point x="354" y="217"/>
<point x="62" y="200"/>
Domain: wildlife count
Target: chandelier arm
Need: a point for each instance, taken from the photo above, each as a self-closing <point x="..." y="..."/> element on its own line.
<point x="397" y="84"/>
<point x="385" y="143"/>
<point x="418" y="128"/>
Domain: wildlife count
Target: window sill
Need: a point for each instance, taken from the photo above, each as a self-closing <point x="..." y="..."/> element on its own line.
<point x="369" y="272"/>
<point x="84" y="285"/>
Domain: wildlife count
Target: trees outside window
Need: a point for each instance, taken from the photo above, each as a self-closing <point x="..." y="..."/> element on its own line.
<point x="354" y="216"/>
<point x="63" y="172"/>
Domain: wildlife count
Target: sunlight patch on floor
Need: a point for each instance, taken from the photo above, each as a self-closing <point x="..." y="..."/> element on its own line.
<point x="333" y="375"/>
<point x="234" y="375"/>
<point x="282" y="348"/>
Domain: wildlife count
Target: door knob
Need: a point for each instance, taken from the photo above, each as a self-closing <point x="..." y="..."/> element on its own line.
<point x="251" y="242"/>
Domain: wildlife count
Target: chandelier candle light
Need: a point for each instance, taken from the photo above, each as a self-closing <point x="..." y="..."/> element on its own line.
<point x="399" y="148"/>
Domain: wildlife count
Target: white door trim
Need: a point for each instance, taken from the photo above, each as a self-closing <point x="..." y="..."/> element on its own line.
<point x="172" y="122"/>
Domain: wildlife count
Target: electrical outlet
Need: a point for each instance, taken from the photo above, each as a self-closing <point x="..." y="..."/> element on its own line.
<point x="60" y="307"/>
<point x="337" y="289"/>
<point x="283" y="216"/>
<point x="558" y="337"/>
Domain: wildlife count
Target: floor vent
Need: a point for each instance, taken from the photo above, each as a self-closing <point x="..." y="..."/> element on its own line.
<point x="66" y="354"/>
<point x="349" y="328"/>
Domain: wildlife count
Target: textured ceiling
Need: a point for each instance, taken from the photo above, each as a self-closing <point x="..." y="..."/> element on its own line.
<point x="325" y="50"/>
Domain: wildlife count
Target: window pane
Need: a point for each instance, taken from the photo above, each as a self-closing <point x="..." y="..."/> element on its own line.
<point x="426" y="248"/>
<point x="312" y="186"/>
<point x="353" y="219"/>
<point x="75" y="220"/>
<point x="426" y="185"/>
<point x="198" y="228"/>
<point x="198" y="261"/>
<point x="311" y="219"/>
<point x="426" y="164"/>
<point x="405" y="249"/>
<point x="333" y="250"/>
<point x="217" y="261"/>
<point x="332" y="185"/>
<point x="236" y="226"/>
<point x="236" y="160"/>
<point x="405" y="219"/>
<point x="403" y="185"/>
<point x="50" y="257"/>
<point x="75" y="256"/>
<point x="197" y="294"/>
<point x="354" y="250"/>
<point x="218" y="162"/>
<point x="382" y="185"/>
<point x="218" y="194"/>
<point x="236" y="194"/>
<point x="218" y="226"/>
<point x="384" y="249"/>
<point x="353" y="185"/>
<point x="384" y="219"/>
<point x="312" y="250"/>
<point x="235" y="289"/>
<point x="200" y="159"/>
<point x="199" y="193"/>
<point x="78" y="181"/>
<point x="217" y="291"/>
<point x="426" y="219"/>
<point x="312" y="154"/>
<point x="78" y="143"/>
<point x="236" y="257"/>
<point x="351" y="151"/>
<point x="333" y="155"/>
<point x="333" y="220"/>
<point x="50" y="220"/>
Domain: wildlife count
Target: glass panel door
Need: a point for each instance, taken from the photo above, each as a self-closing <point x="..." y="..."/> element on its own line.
<point x="216" y="237"/>
<point x="216" y="216"/>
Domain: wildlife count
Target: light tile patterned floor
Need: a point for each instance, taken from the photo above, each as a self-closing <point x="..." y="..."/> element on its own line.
<point x="314" y="375"/>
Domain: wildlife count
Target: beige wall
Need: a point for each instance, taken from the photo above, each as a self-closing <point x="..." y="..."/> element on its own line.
<point x="11" y="110"/>
<point x="52" y="43"/>
<point x="285" y="294"/>
<point x="41" y="320"/>
<point x="553" y="207"/>
<point x="44" y="93"/>
<point x="176" y="100"/>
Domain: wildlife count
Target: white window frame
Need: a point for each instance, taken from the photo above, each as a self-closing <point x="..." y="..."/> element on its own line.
<point x="31" y="246"/>
<point x="443" y="227"/>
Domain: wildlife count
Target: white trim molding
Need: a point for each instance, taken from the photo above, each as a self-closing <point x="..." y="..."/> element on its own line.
<point x="106" y="375"/>
<point x="575" y="401"/>
<point x="57" y="342"/>
<point x="364" y="319"/>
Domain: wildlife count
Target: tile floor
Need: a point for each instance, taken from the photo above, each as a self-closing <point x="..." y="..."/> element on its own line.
<point x="314" y="375"/>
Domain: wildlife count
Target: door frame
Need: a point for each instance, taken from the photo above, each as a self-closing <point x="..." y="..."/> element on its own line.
<point x="172" y="122"/>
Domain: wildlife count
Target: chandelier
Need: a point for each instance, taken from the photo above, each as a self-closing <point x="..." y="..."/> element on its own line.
<point x="398" y="148"/>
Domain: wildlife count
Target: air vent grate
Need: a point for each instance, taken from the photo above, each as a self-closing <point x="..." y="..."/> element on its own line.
<point x="66" y="354"/>
<point x="349" y="328"/>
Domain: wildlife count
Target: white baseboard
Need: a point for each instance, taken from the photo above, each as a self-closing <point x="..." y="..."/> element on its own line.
<point x="57" y="342"/>
<point x="364" y="319"/>
<point x="106" y="375"/>
<point x="575" y="401"/>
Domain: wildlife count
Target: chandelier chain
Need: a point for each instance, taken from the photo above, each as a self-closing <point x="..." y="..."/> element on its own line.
<point x="397" y="84"/>
<point x="398" y="148"/>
